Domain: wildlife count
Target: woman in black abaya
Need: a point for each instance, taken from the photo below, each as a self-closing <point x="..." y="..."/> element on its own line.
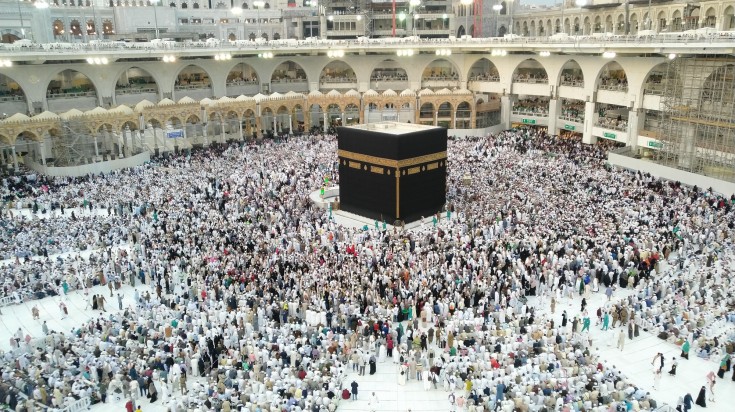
<point x="702" y="398"/>
<point x="372" y="365"/>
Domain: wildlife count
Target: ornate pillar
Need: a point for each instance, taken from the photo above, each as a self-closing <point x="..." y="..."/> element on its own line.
<point x="15" y="159"/>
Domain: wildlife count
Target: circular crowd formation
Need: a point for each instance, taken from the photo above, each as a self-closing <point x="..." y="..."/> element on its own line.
<point x="247" y="297"/>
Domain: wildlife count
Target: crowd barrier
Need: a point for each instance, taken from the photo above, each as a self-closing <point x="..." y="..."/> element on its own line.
<point x="80" y="405"/>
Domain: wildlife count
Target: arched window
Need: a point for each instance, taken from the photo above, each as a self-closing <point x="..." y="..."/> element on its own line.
<point x="58" y="28"/>
<point x="107" y="27"/>
<point x="184" y="6"/>
<point x="276" y="36"/>
<point x="172" y="4"/>
<point x="195" y="6"/>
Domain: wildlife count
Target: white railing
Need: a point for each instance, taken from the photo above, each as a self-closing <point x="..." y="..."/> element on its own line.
<point x="7" y="300"/>
<point x="135" y="90"/>
<point x="605" y="125"/>
<point x="281" y="81"/>
<point x="338" y="80"/>
<point x="12" y="98"/>
<point x="529" y="113"/>
<point x="80" y="405"/>
<point x="572" y="83"/>
<point x="485" y="78"/>
<point x="613" y="87"/>
<point x="70" y="95"/>
<point x="530" y="80"/>
<point x="694" y="40"/>
<point x="192" y="86"/>
<point x="572" y="119"/>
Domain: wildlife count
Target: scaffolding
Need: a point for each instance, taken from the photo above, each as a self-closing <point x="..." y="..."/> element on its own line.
<point x="697" y="116"/>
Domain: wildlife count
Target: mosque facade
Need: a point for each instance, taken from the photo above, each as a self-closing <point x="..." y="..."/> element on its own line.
<point x="136" y="73"/>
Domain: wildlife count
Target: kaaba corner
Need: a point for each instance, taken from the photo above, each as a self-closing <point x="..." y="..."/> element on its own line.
<point x="393" y="172"/>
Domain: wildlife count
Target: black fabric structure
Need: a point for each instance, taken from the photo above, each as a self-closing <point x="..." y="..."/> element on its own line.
<point x="391" y="175"/>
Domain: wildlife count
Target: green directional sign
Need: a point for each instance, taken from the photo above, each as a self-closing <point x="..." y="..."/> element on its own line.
<point x="609" y="135"/>
<point x="528" y="121"/>
<point x="655" y="144"/>
<point x="569" y="127"/>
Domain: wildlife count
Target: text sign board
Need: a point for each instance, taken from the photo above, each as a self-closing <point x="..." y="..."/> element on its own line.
<point x="172" y="134"/>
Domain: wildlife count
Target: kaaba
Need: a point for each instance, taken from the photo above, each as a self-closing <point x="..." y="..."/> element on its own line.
<point x="392" y="171"/>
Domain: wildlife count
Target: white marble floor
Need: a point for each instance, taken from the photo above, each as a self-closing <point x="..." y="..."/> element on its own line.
<point x="634" y="361"/>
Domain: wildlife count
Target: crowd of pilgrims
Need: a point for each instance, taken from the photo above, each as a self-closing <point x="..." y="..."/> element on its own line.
<point x="254" y="299"/>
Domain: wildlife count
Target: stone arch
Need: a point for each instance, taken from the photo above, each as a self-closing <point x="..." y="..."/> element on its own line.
<point x="463" y="115"/>
<point x="426" y="113"/>
<point x="315" y="114"/>
<point x="634" y="23"/>
<point x="657" y="78"/>
<point x="609" y="24"/>
<point x="587" y="27"/>
<point x="729" y="18"/>
<point x="597" y="28"/>
<point x="577" y="27"/>
<point x="288" y="71"/>
<point x="249" y="122"/>
<point x="242" y="79"/>
<point x="129" y="124"/>
<point x="352" y="114"/>
<point x="388" y="67"/>
<point x="298" y="119"/>
<point x="334" y="115"/>
<point x="715" y="89"/>
<point x="612" y="76"/>
<point x="58" y="28"/>
<point x="192" y="74"/>
<point x="69" y="81"/>
<point x="710" y="18"/>
<point x="75" y="28"/>
<point x="337" y="71"/>
<point x="242" y="71"/>
<point x="571" y="74"/>
<point x="104" y="127"/>
<point x="661" y="20"/>
<point x="134" y="77"/>
<point x="620" y="24"/>
<point x="174" y="121"/>
<point x="26" y="135"/>
<point x="232" y="123"/>
<point x="442" y="69"/>
<point x="483" y="69"/>
<point x="532" y="27"/>
<point x="445" y="113"/>
<point x="530" y="69"/>
<point x="11" y="90"/>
